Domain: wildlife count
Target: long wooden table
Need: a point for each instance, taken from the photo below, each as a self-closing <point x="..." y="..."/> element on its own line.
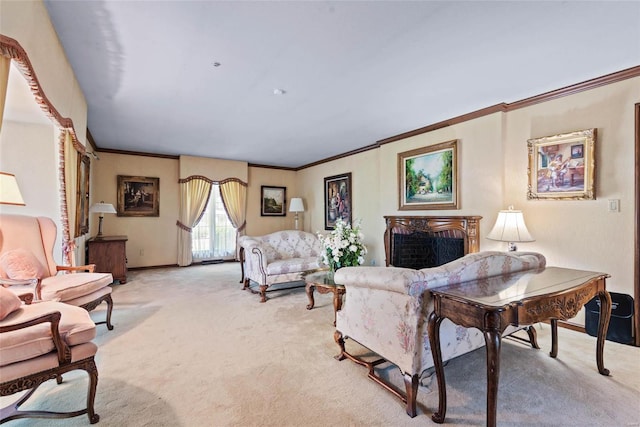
<point x="524" y="298"/>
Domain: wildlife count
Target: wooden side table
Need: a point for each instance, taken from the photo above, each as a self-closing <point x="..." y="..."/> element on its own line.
<point x="523" y="298"/>
<point x="322" y="281"/>
<point x="109" y="254"/>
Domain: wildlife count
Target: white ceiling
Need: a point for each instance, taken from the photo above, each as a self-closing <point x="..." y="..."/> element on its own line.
<point x="354" y="72"/>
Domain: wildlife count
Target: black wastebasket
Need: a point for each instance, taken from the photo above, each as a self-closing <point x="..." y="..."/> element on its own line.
<point x="621" y="323"/>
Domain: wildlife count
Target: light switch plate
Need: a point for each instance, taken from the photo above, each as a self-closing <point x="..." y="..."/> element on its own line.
<point x="614" y="205"/>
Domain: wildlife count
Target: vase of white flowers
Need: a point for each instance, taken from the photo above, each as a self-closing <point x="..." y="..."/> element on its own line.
<point x="343" y="247"/>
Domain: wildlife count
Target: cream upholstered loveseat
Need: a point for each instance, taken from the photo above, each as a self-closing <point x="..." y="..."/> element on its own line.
<point x="279" y="257"/>
<point x="387" y="310"/>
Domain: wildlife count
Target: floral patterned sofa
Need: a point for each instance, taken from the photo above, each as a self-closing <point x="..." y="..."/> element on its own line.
<point x="387" y="308"/>
<point x="278" y="257"/>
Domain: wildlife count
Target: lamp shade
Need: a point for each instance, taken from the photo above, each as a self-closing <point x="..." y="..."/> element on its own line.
<point x="296" y="205"/>
<point x="9" y="191"/>
<point x="510" y="227"/>
<point x="102" y="207"/>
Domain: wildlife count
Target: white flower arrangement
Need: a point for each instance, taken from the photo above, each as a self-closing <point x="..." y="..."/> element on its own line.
<point x="343" y="247"/>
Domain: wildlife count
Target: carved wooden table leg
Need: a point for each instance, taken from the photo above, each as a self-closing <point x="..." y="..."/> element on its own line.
<point x="309" y="288"/>
<point x="533" y="337"/>
<point x="337" y="302"/>
<point x="493" y="340"/>
<point x="603" y="326"/>
<point x="433" y="329"/>
<point x="554" y="337"/>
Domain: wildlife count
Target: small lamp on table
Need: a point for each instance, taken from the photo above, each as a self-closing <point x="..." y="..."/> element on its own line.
<point x="510" y="227"/>
<point x="296" y="206"/>
<point x="102" y="208"/>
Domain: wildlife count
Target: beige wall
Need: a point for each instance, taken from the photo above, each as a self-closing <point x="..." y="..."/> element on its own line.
<point x="27" y="21"/>
<point x="152" y="240"/>
<point x="30" y="151"/>
<point x="581" y="234"/>
<point x="258" y="225"/>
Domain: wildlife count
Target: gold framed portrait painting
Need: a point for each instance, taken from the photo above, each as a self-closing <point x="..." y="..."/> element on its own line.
<point x="562" y="166"/>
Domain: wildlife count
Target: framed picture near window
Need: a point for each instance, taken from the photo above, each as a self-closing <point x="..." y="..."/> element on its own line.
<point x="428" y="177"/>
<point x="273" y="201"/>
<point x="562" y="166"/>
<point x="337" y="200"/>
<point x="82" y="196"/>
<point x="138" y="196"/>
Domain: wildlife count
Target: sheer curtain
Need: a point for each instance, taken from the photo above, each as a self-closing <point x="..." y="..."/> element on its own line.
<point x="194" y="195"/>
<point x="234" y="197"/>
<point x="214" y="237"/>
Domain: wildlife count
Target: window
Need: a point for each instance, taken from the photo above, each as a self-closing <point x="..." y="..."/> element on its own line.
<point x="214" y="237"/>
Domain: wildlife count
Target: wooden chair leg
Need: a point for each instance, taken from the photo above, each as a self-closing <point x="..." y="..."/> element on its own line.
<point x="411" y="387"/>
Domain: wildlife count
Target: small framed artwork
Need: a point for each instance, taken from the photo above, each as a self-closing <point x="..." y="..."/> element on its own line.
<point x="562" y="166"/>
<point x="138" y="196"/>
<point x="428" y="177"/>
<point x="337" y="200"/>
<point x="273" y="201"/>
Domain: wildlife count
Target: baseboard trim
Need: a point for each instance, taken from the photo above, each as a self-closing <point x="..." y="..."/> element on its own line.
<point x="152" y="267"/>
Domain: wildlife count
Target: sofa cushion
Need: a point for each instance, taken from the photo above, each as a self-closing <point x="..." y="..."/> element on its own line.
<point x="21" y="264"/>
<point x="65" y="287"/>
<point x="76" y="327"/>
<point x="293" y="265"/>
<point x="9" y="302"/>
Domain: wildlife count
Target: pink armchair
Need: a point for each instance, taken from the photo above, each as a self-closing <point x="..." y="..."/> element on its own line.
<point x="27" y="265"/>
<point x="40" y="342"/>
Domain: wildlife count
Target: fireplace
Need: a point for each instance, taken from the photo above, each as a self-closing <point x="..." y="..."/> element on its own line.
<point x="429" y="241"/>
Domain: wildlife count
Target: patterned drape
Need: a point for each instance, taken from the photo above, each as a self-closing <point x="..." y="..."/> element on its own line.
<point x="194" y="196"/>
<point x="70" y="184"/>
<point x="234" y="196"/>
<point x="10" y="49"/>
<point x="4" y="81"/>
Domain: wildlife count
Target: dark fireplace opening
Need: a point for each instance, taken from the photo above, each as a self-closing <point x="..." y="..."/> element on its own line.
<point x="423" y="250"/>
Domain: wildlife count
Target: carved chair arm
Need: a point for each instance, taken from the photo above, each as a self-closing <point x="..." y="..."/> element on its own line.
<point x="26" y="297"/>
<point x="64" y="353"/>
<point x="89" y="267"/>
<point x="37" y="284"/>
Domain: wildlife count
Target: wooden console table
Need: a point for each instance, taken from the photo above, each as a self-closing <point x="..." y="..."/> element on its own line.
<point x="518" y="299"/>
<point x="109" y="254"/>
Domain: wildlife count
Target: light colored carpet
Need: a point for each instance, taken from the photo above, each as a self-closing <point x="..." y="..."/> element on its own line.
<point x="190" y="348"/>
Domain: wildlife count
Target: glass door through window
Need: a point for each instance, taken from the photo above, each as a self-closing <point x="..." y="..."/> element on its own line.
<point x="214" y="238"/>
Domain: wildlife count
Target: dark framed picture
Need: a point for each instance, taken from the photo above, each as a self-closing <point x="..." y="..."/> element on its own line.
<point x="562" y="166"/>
<point x="138" y="196"/>
<point x="337" y="200"/>
<point x="82" y="196"/>
<point x="273" y="201"/>
<point x="428" y="177"/>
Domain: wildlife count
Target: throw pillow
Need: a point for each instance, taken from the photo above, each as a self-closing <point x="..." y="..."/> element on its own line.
<point x="9" y="302"/>
<point x="21" y="264"/>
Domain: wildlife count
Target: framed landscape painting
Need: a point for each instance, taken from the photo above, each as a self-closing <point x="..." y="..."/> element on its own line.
<point x="562" y="166"/>
<point x="273" y="201"/>
<point x="428" y="177"/>
<point x="337" y="200"/>
<point x="138" y="196"/>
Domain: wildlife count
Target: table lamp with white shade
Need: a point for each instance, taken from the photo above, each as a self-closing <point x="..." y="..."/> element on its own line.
<point x="510" y="227"/>
<point x="296" y="206"/>
<point x="102" y="208"/>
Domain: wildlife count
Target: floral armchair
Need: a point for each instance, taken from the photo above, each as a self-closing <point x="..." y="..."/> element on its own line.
<point x="27" y="265"/>
<point x="387" y="309"/>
